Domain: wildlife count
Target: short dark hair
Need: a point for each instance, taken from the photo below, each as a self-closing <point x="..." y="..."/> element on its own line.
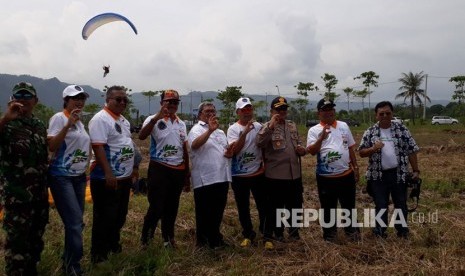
<point x="383" y="104"/>
<point x="65" y="101"/>
<point x="113" y="88"/>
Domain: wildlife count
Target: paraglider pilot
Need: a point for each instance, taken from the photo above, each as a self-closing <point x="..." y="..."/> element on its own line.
<point x="106" y="70"/>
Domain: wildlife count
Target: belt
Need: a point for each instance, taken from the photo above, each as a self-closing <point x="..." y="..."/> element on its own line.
<point x="393" y="170"/>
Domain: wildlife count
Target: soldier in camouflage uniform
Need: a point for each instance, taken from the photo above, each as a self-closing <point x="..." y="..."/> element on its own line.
<point x="23" y="183"/>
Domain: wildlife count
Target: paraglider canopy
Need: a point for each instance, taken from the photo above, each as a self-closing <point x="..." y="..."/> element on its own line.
<point x="102" y="19"/>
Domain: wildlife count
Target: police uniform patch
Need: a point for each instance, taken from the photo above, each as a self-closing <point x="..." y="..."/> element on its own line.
<point x="161" y="125"/>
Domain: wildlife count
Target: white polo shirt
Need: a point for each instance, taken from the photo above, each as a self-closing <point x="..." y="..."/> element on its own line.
<point x="166" y="140"/>
<point x="248" y="160"/>
<point x="72" y="157"/>
<point x="113" y="132"/>
<point x="209" y="165"/>
<point x="333" y="158"/>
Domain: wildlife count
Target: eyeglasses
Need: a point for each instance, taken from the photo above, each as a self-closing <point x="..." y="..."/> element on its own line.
<point x="281" y="108"/>
<point x="173" y="102"/>
<point x="79" y="97"/>
<point x="327" y="109"/>
<point x="121" y="99"/>
<point x="23" y="96"/>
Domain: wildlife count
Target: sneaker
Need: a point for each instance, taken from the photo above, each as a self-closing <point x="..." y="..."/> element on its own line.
<point x="269" y="245"/>
<point x="246" y="243"/>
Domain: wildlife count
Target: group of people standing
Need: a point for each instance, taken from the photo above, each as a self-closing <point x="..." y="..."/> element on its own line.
<point x="26" y="172"/>
<point x="259" y="160"/>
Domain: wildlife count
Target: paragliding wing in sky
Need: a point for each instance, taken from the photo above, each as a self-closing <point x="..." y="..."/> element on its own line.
<point x="103" y="19"/>
<point x="106" y="70"/>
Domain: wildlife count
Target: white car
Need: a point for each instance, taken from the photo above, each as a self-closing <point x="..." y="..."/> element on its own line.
<point x="443" y="120"/>
<point x="397" y="120"/>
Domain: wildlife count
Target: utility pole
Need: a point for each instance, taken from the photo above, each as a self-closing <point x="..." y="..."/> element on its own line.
<point x="277" y="87"/>
<point x="191" y="112"/>
<point x="426" y="88"/>
<point x="266" y="105"/>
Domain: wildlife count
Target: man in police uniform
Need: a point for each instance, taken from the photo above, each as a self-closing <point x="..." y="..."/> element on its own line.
<point x="23" y="183"/>
<point x="282" y="148"/>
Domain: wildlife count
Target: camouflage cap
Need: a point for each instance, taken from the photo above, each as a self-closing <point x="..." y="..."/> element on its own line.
<point x="24" y="86"/>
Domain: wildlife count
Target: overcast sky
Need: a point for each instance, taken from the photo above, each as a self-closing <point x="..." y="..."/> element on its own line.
<point x="205" y="45"/>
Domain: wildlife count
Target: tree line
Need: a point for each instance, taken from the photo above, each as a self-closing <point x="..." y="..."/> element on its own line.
<point x="410" y="92"/>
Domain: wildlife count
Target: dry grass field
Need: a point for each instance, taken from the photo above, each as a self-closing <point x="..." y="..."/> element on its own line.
<point x="435" y="247"/>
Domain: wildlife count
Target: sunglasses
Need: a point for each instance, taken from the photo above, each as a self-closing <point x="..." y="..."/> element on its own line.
<point x="121" y="99"/>
<point x="382" y="114"/>
<point x="281" y="108"/>
<point x="23" y="96"/>
<point x="173" y="102"/>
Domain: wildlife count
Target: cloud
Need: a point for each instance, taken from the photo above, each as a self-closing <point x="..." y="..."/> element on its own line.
<point x="208" y="45"/>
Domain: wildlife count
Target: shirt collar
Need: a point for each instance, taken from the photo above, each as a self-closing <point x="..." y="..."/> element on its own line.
<point x="113" y="115"/>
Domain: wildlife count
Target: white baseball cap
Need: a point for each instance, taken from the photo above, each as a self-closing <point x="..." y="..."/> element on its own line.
<point x="73" y="90"/>
<point x="242" y="102"/>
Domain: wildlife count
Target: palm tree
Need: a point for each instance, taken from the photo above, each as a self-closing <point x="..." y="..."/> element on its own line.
<point x="410" y="89"/>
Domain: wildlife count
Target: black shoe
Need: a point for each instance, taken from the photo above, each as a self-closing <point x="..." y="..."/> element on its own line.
<point x="355" y="236"/>
<point x="98" y="258"/>
<point x="219" y="246"/>
<point x="379" y="233"/>
<point x="294" y="237"/>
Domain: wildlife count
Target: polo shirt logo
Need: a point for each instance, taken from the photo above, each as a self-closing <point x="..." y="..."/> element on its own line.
<point x="161" y="125"/>
<point x="118" y="128"/>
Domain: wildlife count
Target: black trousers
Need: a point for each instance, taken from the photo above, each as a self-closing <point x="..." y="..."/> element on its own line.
<point x="332" y="190"/>
<point x="388" y="185"/>
<point x="109" y="215"/>
<point x="285" y="194"/>
<point x="243" y="187"/>
<point x="210" y="202"/>
<point x="164" y="189"/>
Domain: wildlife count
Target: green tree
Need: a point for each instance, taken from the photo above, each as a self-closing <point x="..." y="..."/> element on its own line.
<point x="349" y="92"/>
<point x="43" y="112"/>
<point x="260" y="108"/>
<point x="300" y="106"/>
<point x="410" y="90"/>
<point x="459" y="94"/>
<point x="437" y="109"/>
<point x="228" y="98"/>
<point x="369" y="78"/>
<point x="303" y="88"/>
<point x="150" y="94"/>
<point x="330" y="83"/>
<point x="362" y="94"/>
<point x="89" y="111"/>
